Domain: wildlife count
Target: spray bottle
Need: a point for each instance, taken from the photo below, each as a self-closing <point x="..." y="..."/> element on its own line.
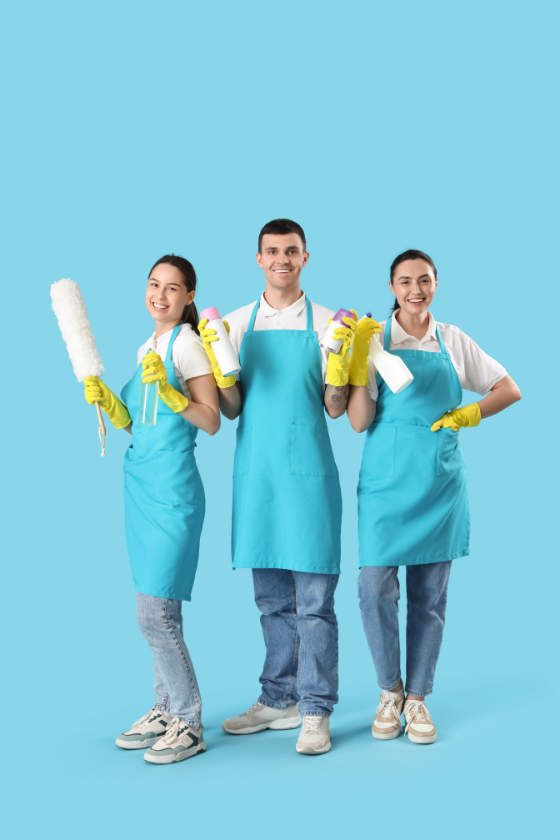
<point x="334" y="344"/>
<point x="391" y="368"/>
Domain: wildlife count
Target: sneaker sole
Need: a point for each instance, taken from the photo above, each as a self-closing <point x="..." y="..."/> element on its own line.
<point x="416" y="740"/>
<point x="310" y="751"/>
<point x="138" y="745"/>
<point x="173" y="759"/>
<point x="283" y="723"/>
<point x="388" y="737"/>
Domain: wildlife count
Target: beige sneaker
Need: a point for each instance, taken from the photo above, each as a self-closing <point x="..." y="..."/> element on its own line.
<point x="260" y="717"/>
<point x="387" y="721"/>
<point x="419" y="725"/>
<point x="315" y="736"/>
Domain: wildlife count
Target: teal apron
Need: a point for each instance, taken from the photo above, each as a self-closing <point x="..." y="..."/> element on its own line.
<point x="412" y="495"/>
<point x="287" y="505"/>
<point x="163" y="496"/>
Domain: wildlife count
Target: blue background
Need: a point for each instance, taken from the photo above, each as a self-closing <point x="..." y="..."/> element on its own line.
<point x="134" y="129"/>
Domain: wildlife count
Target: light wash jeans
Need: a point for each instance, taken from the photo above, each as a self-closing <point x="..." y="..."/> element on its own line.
<point x="301" y="637"/>
<point x="426" y="592"/>
<point x="175" y="686"/>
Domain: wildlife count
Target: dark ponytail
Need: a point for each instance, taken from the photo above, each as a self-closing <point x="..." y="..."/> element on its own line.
<point x="409" y="255"/>
<point x="190" y="312"/>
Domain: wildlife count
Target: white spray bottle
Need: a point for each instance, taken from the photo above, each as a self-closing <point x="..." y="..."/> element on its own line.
<point x="391" y="368"/>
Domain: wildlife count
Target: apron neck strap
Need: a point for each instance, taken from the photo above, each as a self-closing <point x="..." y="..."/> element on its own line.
<point x="387" y="338"/>
<point x="253" y="316"/>
<point x="174" y="335"/>
<point x="309" y="315"/>
<point x="440" y="339"/>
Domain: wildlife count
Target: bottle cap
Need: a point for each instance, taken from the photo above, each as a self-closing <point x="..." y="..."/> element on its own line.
<point x="368" y="314"/>
<point x="342" y="313"/>
<point x="211" y="313"/>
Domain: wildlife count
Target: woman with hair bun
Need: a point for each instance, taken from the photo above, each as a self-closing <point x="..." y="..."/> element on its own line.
<point x="412" y="494"/>
<point x="164" y="502"/>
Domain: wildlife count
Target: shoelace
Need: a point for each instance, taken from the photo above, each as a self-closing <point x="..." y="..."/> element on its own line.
<point x="145" y="718"/>
<point x="388" y="708"/>
<point x="172" y="729"/>
<point x="312" y="724"/>
<point x="418" y="713"/>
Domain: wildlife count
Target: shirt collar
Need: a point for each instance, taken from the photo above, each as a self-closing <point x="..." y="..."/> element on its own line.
<point x="294" y="309"/>
<point x="398" y="335"/>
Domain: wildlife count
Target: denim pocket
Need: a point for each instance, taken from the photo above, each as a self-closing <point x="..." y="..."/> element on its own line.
<point x="311" y="452"/>
<point x="176" y="479"/>
<point x="450" y="456"/>
<point x="242" y="458"/>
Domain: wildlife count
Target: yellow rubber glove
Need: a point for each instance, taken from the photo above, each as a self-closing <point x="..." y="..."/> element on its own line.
<point x="97" y="391"/>
<point x="338" y="365"/>
<point x="468" y="415"/>
<point x="208" y="337"/>
<point x="153" y="370"/>
<point x="359" y="369"/>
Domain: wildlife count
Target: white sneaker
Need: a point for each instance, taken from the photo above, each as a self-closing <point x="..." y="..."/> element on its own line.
<point x="387" y="722"/>
<point x="419" y="725"/>
<point x="260" y="717"/>
<point x="315" y="736"/>
<point x="179" y="742"/>
<point x="144" y="732"/>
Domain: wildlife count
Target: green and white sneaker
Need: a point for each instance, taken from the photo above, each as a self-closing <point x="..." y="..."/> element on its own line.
<point x="145" y="732"/>
<point x="179" y="742"/>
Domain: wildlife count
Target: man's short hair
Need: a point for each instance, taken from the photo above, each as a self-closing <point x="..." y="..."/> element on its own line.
<point x="280" y="227"/>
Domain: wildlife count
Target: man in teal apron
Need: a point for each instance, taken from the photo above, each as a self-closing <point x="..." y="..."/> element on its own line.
<point x="287" y="505"/>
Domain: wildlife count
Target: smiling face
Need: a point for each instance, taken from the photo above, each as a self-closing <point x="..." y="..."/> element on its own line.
<point x="282" y="258"/>
<point x="414" y="285"/>
<point x="167" y="296"/>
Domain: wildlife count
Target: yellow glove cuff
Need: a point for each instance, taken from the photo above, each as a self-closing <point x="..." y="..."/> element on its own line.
<point x="337" y="370"/>
<point x="172" y="398"/>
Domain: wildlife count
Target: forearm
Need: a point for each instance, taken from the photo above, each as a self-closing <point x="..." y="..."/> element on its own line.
<point x="336" y="400"/>
<point x="502" y="395"/>
<point x="203" y="417"/>
<point x="361" y="408"/>
<point x="230" y="401"/>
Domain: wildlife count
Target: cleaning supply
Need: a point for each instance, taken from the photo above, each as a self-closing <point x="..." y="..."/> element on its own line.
<point x="468" y="415"/>
<point x="391" y="368"/>
<point x="97" y="392"/>
<point x="338" y="365"/>
<point x="71" y="313"/>
<point x="154" y="372"/>
<point x="359" y="366"/>
<point x="226" y="356"/>
<point x="330" y="340"/>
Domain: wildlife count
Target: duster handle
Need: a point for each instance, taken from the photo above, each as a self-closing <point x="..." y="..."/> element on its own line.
<point x="102" y="430"/>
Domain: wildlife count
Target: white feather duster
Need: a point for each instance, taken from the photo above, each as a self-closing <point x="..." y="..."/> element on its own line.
<point x="71" y="313"/>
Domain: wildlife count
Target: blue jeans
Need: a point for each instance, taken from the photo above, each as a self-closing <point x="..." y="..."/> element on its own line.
<point x="426" y="592"/>
<point x="175" y="686"/>
<point x="301" y="637"/>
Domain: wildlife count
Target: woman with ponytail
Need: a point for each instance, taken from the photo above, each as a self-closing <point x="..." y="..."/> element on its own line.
<point x="164" y="502"/>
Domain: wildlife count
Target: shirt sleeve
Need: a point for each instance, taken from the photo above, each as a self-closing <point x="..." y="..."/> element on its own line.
<point x="190" y="356"/>
<point x="480" y="371"/>
<point x="238" y="322"/>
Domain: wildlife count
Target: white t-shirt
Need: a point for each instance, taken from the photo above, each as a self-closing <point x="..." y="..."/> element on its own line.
<point x="477" y="371"/>
<point x="294" y="317"/>
<point x="188" y="355"/>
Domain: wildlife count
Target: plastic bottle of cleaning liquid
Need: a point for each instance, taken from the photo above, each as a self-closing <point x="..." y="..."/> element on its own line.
<point x="391" y="368"/>
<point x="226" y="356"/>
<point x="147" y="413"/>
<point x="335" y="344"/>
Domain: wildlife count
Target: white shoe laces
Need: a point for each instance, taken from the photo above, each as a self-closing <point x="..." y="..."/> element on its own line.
<point x="387" y="708"/>
<point x="145" y="718"/>
<point x="172" y="730"/>
<point x="417" y="713"/>
<point x="312" y="724"/>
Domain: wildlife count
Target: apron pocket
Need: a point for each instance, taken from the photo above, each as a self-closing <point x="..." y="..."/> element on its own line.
<point x="312" y="452"/>
<point x="378" y="461"/>
<point x="242" y="456"/>
<point x="176" y="480"/>
<point x="450" y="456"/>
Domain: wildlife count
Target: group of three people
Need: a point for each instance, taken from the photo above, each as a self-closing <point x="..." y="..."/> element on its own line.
<point x="287" y="505"/>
